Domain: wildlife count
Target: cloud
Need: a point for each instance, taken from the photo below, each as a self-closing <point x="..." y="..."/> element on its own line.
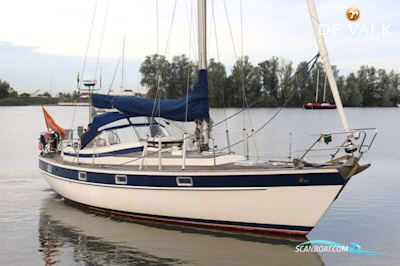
<point x="48" y="38"/>
<point x="29" y="70"/>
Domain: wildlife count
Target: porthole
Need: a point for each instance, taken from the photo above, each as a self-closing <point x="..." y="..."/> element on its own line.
<point x="184" y="181"/>
<point x="121" y="179"/>
<point x="82" y="176"/>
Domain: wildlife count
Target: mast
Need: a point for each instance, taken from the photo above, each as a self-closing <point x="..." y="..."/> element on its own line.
<point x="101" y="74"/>
<point x="316" y="93"/>
<point x="202" y="34"/>
<point x="323" y="51"/>
<point x="123" y="66"/>
<point x="203" y="126"/>
<point x="324" y="98"/>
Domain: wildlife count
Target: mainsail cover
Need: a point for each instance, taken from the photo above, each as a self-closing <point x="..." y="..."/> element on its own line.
<point x="196" y="102"/>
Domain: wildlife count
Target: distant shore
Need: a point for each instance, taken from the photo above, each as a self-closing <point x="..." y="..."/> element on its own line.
<point x="32" y="101"/>
<point x="35" y="101"/>
<point x="24" y="101"/>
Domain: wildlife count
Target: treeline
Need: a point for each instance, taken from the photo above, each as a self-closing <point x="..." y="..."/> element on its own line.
<point x="10" y="97"/>
<point x="24" y="101"/>
<point x="6" y="90"/>
<point x="267" y="83"/>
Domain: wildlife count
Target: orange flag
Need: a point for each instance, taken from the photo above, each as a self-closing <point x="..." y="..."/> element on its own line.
<point x="51" y="124"/>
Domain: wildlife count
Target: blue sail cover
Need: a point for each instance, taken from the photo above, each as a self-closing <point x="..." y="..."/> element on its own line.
<point x="170" y="109"/>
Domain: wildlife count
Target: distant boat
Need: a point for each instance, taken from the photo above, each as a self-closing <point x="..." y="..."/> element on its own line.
<point x="73" y="103"/>
<point x="398" y="105"/>
<point x="316" y="104"/>
<point x="319" y="106"/>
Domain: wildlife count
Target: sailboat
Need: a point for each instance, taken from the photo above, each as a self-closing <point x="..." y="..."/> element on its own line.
<point x="317" y="104"/>
<point x="123" y="90"/>
<point x="187" y="179"/>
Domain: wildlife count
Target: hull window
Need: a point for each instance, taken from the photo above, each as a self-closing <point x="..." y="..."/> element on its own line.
<point x="49" y="168"/>
<point x="121" y="179"/>
<point x="82" y="176"/>
<point x="184" y="181"/>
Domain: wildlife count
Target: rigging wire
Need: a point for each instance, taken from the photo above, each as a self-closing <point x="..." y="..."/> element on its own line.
<point x="171" y="26"/>
<point x="159" y="71"/>
<point x="230" y="29"/>
<point x="210" y="34"/>
<point x="245" y="107"/>
<point x="219" y="60"/>
<point x="293" y="77"/>
<point x="215" y="30"/>
<point x="157" y="56"/>
<point x="195" y="38"/>
<point x="282" y="107"/>
<point x="241" y="65"/>
<point x="241" y="25"/>
<point x="123" y="67"/>
<point x="115" y="74"/>
<point x="245" y="100"/>
<point x="86" y="55"/>
<point x="73" y="118"/>
<point x="191" y="27"/>
<point x="101" y="39"/>
<point x="157" y="29"/>
<point x="154" y="107"/>
<point x="222" y="88"/>
<point x="88" y="43"/>
<point x="189" y="62"/>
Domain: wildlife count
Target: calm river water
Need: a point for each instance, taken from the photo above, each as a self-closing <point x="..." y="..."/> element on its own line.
<point x="39" y="228"/>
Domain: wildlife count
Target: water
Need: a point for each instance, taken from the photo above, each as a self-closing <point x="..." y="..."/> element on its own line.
<point x="37" y="227"/>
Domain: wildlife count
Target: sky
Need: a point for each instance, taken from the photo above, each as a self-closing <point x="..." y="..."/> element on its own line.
<point x="43" y="42"/>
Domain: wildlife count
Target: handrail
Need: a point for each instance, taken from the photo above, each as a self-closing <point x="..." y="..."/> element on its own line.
<point x="349" y="145"/>
<point x="361" y="142"/>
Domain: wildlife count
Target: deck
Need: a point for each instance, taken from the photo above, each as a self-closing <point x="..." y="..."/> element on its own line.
<point x="229" y="167"/>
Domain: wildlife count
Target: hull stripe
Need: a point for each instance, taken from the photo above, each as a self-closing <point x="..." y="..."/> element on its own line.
<point x="223" y="181"/>
<point x="159" y="188"/>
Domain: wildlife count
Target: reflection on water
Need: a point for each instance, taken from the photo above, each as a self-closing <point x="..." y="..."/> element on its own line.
<point x="72" y="235"/>
<point x="56" y="237"/>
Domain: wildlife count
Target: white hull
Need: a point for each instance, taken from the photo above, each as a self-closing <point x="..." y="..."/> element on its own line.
<point x="289" y="206"/>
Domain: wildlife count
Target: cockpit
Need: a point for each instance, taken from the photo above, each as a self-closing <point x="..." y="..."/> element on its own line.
<point x="124" y="130"/>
